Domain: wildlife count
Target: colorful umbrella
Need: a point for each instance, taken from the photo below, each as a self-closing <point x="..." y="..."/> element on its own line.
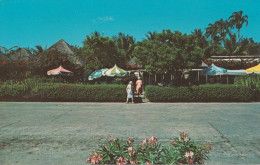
<point x="60" y="71"/>
<point x="96" y="74"/>
<point x="115" y="72"/>
<point x="254" y="69"/>
<point x="214" y="70"/>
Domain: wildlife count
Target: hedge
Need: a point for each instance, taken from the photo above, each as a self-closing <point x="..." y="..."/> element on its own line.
<point x="13" y="91"/>
<point x="64" y="92"/>
<point x="204" y="93"/>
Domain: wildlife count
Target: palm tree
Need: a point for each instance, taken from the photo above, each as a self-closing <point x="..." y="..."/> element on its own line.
<point x="237" y="20"/>
<point x="212" y="31"/>
<point x="200" y="38"/>
<point x="125" y="45"/>
<point x="9" y="52"/>
<point x="151" y="35"/>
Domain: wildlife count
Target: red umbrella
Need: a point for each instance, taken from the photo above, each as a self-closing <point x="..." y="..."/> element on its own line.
<point x="59" y="71"/>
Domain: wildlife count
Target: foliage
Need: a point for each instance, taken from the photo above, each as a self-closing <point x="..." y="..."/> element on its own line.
<point x="13" y="91"/>
<point x="99" y="51"/>
<point x="39" y="91"/>
<point x="125" y="46"/>
<point x="169" y="52"/>
<point x="150" y="151"/>
<point x="203" y="93"/>
<point x="252" y="81"/>
<point x="225" y="41"/>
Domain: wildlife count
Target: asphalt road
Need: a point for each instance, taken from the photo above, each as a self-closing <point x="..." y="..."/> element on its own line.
<point x="66" y="133"/>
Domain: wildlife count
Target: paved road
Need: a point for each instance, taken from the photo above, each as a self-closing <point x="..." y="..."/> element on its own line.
<point x="66" y="133"/>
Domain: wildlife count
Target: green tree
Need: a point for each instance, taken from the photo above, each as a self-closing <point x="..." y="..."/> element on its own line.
<point x="169" y="52"/>
<point x="237" y="20"/>
<point x="100" y="51"/>
<point x="125" y="45"/>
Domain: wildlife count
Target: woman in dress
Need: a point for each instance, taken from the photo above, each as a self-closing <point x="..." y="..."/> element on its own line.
<point x="129" y="91"/>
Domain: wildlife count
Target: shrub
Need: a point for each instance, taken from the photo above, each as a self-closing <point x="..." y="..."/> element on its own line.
<point x="150" y="151"/>
<point x="252" y="81"/>
<point x="79" y="92"/>
<point x="13" y="91"/>
<point x="37" y="91"/>
<point x="203" y="93"/>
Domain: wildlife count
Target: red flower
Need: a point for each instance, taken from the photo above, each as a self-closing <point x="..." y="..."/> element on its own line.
<point x="153" y="140"/>
<point x="94" y="159"/>
<point x="121" y="161"/>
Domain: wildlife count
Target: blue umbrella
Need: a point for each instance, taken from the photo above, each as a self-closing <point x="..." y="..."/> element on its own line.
<point x="214" y="70"/>
<point x="97" y="74"/>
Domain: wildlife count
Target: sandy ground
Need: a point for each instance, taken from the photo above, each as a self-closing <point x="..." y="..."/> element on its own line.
<point x="66" y="133"/>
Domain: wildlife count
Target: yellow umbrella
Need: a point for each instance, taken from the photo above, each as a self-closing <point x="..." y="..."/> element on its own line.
<point x="254" y="69"/>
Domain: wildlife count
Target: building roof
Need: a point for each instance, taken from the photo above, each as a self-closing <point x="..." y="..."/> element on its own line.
<point x="64" y="48"/>
<point x="22" y="54"/>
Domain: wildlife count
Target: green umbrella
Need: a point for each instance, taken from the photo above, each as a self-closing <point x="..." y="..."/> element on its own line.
<point x="115" y="72"/>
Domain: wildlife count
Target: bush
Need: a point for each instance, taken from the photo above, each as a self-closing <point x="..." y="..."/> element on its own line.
<point x="204" y="93"/>
<point x="13" y="91"/>
<point x="79" y="92"/>
<point x="36" y="91"/>
<point x="150" y="151"/>
<point x="252" y="81"/>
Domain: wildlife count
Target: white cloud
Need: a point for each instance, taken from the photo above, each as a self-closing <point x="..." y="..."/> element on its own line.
<point x="105" y="19"/>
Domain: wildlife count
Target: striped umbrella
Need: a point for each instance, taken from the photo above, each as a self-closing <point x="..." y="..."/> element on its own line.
<point x="115" y="72"/>
<point x="96" y="74"/>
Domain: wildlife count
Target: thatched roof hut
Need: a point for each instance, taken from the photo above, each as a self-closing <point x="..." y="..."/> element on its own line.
<point x="22" y="54"/>
<point x="64" y="48"/>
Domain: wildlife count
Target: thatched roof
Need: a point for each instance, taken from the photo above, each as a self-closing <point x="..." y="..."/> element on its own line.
<point x="64" y="48"/>
<point x="21" y="54"/>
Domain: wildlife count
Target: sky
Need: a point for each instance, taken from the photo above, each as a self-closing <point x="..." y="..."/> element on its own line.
<point x="27" y="23"/>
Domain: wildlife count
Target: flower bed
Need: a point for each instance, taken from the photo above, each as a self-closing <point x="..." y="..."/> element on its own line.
<point x="150" y="151"/>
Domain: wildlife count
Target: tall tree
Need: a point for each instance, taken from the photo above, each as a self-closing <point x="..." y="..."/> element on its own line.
<point x="125" y="45"/>
<point x="169" y="52"/>
<point x="100" y="51"/>
<point x="237" y="20"/>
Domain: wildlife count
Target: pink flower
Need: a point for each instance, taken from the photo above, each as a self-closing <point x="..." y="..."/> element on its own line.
<point x="153" y="140"/>
<point x="130" y="140"/>
<point x="111" y="140"/>
<point x="186" y="139"/>
<point x="132" y="151"/>
<point x="173" y="142"/>
<point x="130" y="148"/>
<point x="144" y="141"/>
<point x="94" y="159"/>
<point x="133" y="162"/>
<point x="191" y="154"/>
<point x="148" y="163"/>
<point x="121" y="161"/>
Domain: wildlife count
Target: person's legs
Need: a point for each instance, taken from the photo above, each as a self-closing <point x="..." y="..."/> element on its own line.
<point x="127" y="100"/>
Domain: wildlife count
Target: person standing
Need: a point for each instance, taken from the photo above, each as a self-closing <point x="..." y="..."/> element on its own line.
<point x="139" y="84"/>
<point x="129" y="91"/>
